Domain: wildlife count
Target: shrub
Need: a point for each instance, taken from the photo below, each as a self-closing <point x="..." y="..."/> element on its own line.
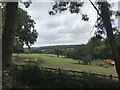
<point x="32" y="76"/>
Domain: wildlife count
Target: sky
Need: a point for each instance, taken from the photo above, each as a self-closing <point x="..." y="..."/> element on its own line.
<point x="63" y="28"/>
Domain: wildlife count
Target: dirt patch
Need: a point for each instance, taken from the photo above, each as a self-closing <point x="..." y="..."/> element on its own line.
<point x="19" y="60"/>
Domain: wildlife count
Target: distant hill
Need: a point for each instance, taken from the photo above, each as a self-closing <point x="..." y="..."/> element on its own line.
<point x="49" y="49"/>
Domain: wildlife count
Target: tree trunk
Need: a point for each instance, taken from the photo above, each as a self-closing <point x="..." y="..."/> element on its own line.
<point x="57" y="55"/>
<point x="8" y="33"/>
<point x="112" y="41"/>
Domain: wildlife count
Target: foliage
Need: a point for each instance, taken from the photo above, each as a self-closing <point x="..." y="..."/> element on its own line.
<point x="10" y="11"/>
<point x="6" y="79"/>
<point x="50" y="49"/>
<point x="79" y="53"/>
<point x="25" y="32"/>
<point x="18" y="47"/>
<point x="99" y="48"/>
<point x="57" y="51"/>
<point x="73" y="7"/>
<point x="33" y="50"/>
<point x="31" y="76"/>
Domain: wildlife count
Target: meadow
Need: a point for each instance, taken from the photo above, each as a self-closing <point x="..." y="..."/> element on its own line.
<point x="51" y="61"/>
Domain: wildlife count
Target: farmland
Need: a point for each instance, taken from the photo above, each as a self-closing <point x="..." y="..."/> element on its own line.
<point x="51" y="61"/>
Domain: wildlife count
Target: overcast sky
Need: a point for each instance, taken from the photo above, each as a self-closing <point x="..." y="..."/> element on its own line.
<point x="61" y="29"/>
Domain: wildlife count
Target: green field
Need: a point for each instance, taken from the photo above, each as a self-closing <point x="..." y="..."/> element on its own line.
<point x="49" y="60"/>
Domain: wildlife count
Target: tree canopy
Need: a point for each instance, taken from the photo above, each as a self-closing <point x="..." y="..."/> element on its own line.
<point x="25" y="31"/>
<point x="10" y="13"/>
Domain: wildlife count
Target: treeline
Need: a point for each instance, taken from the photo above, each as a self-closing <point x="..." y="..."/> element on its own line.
<point x="51" y="49"/>
<point x="96" y="48"/>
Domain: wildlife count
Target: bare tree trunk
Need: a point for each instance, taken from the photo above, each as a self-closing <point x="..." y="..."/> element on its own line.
<point x="8" y="33"/>
<point x="105" y="13"/>
<point x="57" y="55"/>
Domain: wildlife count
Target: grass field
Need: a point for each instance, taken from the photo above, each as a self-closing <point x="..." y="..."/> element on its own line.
<point x="49" y="60"/>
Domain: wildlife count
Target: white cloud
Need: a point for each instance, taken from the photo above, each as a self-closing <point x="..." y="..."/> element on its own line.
<point x="62" y="28"/>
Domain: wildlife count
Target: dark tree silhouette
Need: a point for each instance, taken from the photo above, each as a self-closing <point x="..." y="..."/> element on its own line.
<point x="8" y="33"/>
<point x="105" y="12"/>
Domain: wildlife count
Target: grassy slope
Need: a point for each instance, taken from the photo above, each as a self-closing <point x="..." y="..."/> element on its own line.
<point x="69" y="64"/>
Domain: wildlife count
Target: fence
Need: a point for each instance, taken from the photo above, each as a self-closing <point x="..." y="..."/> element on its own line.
<point x="78" y="72"/>
<point x="75" y="72"/>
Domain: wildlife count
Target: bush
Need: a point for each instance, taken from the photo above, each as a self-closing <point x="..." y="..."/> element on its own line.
<point x="32" y="76"/>
<point x="101" y="64"/>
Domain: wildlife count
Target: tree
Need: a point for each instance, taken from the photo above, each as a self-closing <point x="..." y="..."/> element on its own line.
<point x="80" y="53"/>
<point x="8" y="33"/>
<point x="106" y="21"/>
<point x="74" y="7"/>
<point x="99" y="48"/>
<point x="0" y="21"/>
<point x="25" y="32"/>
<point x="57" y="51"/>
<point x="92" y="44"/>
<point x="18" y="47"/>
<point x="102" y="52"/>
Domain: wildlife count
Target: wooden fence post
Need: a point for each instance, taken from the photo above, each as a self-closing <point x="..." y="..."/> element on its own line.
<point x="59" y="71"/>
<point x="58" y="79"/>
<point x="111" y="77"/>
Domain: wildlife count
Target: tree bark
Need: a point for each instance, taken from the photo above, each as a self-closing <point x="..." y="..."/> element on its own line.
<point x="8" y="33"/>
<point x="112" y="41"/>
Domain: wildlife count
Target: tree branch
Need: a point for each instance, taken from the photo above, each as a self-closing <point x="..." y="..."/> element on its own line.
<point x="95" y="8"/>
